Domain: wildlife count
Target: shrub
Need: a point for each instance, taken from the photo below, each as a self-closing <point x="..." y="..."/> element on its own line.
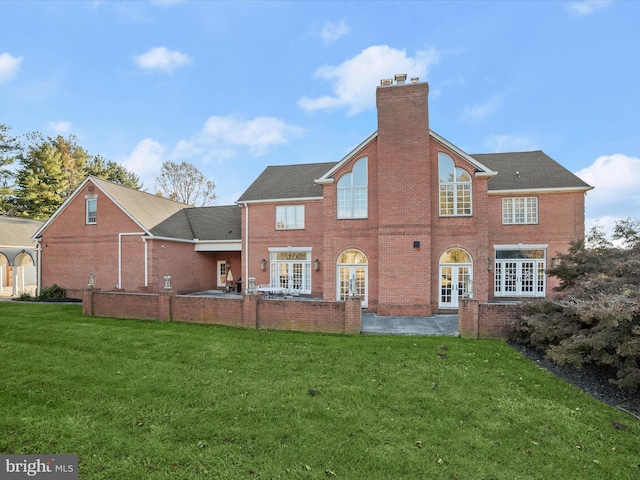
<point x="596" y="320"/>
<point x="54" y="293"/>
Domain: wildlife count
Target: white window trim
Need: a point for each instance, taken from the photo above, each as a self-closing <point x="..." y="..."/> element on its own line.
<point x="540" y="293"/>
<point x="512" y="214"/>
<point x="454" y="184"/>
<point x="351" y="189"/>
<point x="284" y="210"/>
<point x="89" y="199"/>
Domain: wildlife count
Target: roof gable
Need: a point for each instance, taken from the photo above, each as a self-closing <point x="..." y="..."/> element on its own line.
<point x="160" y="217"/>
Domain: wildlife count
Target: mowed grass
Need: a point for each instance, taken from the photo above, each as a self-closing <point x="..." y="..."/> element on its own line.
<point x="150" y="400"/>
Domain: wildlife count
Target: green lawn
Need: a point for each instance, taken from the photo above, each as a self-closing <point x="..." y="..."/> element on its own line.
<point x="149" y="400"/>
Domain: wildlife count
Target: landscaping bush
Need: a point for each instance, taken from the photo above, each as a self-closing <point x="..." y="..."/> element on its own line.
<point x="54" y="293"/>
<point x="596" y="319"/>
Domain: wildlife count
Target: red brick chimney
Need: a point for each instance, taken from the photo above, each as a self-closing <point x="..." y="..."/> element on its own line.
<point x="404" y="185"/>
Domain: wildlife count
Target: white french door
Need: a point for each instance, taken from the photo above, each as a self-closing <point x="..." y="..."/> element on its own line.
<point x="454" y="282"/>
<point x="519" y="278"/>
<point x="352" y="281"/>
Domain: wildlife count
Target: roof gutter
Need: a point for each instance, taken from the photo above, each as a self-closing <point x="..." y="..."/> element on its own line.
<point x="516" y="191"/>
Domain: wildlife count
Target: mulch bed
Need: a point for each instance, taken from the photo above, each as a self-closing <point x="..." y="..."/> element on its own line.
<point x="590" y="379"/>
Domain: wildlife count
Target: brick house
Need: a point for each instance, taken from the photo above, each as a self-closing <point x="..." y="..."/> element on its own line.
<point x="410" y="222"/>
<point x="130" y="240"/>
<point x="407" y="220"/>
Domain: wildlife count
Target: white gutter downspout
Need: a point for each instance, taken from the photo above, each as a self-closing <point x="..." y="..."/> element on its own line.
<point x="246" y="262"/>
<point x="146" y="261"/>
<point x="39" y="260"/>
<point x="120" y="235"/>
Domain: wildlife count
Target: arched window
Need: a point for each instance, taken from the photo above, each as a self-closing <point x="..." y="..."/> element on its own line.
<point x="455" y="188"/>
<point x="352" y="192"/>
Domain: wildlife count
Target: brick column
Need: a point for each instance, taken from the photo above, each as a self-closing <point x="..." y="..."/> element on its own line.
<point x="468" y="318"/>
<point x="87" y="300"/>
<point x="352" y="315"/>
<point x="250" y="310"/>
<point x="164" y="305"/>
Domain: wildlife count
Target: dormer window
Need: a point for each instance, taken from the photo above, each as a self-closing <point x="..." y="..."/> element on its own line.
<point x="455" y="188"/>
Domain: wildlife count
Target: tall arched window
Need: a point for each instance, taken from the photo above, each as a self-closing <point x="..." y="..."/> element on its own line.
<point x="455" y="188"/>
<point x="352" y="192"/>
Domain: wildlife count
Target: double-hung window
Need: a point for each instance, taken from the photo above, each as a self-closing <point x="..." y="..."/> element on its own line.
<point x="519" y="210"/>
<point x="290" y="217"/>
<point x="91" y="215"/>
<point x="455" y="188"/>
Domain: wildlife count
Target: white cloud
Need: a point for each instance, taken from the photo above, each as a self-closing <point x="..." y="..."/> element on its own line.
<point x="9" y="67"/>
<point x="162" y="59"/>
<point x="587" y="7"/>
<point x="510" y="143"/>
<point x="61" y="127"/>
<point x="354" y="80"/>
<point x="616" y="195"/>
<point x="221" y="138"/>
<point x="224" y="137"/>
<point x="331" y="32"/>
<point x="146" y="160"/>
<point x="480" y="112"/>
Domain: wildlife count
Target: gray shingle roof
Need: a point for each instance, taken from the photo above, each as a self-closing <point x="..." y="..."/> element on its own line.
<point x="287" y="181"/>
<point x="166" y="218"/>
<point x="17" y="232"/>
<point x="149" y="210"/>
<point x="528" y="171"/>
<point x="202" y="223"/>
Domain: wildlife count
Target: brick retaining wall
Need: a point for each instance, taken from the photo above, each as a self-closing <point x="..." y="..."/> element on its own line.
<point x="249" y="311"/>
<point x="487" y="320"/>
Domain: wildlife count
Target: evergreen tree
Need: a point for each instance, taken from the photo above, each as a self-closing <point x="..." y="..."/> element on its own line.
<point x="50" y="169"/>
<point x="100" y="167"/>
<point x="8" y="147"/>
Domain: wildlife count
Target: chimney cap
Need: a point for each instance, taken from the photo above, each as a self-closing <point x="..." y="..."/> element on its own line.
<point x="415" y="79"/>
<point x="385" y="82"/>
<point x="400" y="78"/>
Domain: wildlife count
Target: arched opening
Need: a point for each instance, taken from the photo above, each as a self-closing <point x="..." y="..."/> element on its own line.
<point x="456" y="277"/>
<point x="352" y="275"/>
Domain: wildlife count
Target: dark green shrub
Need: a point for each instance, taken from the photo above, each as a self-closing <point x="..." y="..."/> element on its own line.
<point x="54" y="293"/>
<point x="596" y="320"/>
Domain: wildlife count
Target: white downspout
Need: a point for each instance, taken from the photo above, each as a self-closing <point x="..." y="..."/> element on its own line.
<point x="246" y="248"/>
<point x="120" y="235"/>
<point x="146" y="262"/>
<point x="39" y="269"/>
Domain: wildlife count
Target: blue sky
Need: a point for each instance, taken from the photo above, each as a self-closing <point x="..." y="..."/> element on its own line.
<point x="233" y="87"/>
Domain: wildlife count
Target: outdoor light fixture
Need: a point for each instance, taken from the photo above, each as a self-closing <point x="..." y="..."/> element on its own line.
<point x="167" y="282"/>
<point x="316" y="264"/>
<point x="489" y="264"/>
<point x="263" y="264"/>
<point x="92" y="280"/>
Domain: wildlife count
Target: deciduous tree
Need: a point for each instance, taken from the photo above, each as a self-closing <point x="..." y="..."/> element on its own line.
<point x="186" y="184"/>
